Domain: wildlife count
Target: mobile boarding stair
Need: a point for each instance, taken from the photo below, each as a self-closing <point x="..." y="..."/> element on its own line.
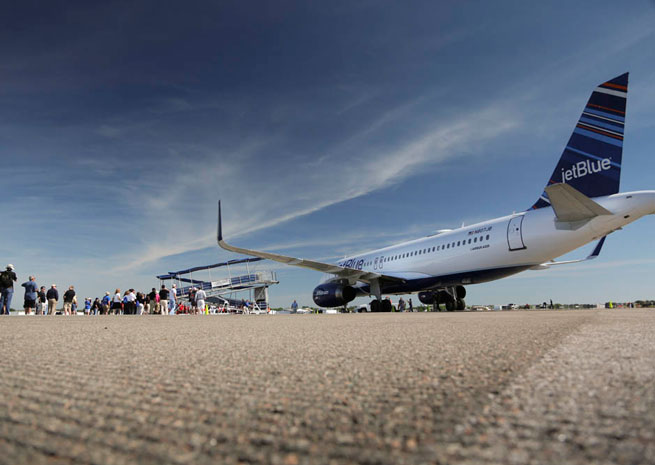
<point x="256" y="282"/>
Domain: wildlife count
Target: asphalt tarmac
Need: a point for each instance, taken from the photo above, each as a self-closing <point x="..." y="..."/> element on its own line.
<point x="517" y="387"/>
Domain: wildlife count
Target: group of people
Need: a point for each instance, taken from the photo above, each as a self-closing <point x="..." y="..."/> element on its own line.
<point x="402" y="306"/>
<point x="40" y="301"/>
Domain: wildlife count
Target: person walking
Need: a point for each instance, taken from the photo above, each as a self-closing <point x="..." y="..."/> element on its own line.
<point x="201" y="296"/>
<point x="30" y="295"/>
<point x="401" y="305"/>
<point x="69" y="297"/>
<point x="163" y="299"/>
<point x="53" y="297"/>
<point x="411" y="305"/>
<point x="7" y="280"/>
<point x="172" y="299"/>
<point x="41" y="302"/>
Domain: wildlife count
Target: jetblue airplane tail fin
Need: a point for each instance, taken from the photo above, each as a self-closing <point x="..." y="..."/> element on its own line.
<point x="591" y="161"/>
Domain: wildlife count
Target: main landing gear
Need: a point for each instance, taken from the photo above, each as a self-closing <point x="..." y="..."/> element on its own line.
<point x="451" y="297"/>
<point x="380" y="305"/>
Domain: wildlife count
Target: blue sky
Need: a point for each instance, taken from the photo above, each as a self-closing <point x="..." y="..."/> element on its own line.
<point x="326" y="128"/>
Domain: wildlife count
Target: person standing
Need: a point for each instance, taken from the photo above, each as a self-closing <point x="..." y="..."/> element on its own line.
<point x="140" y="303"/>
<point x="294" y="306"/>
<point x="41" y="302"/>
<point x="192" y="300"/>
<point x="411" y="305"/>
<point x="7" y="279"/>
<point x="152" y="301"/>
<point x="131" y="301"/>
<point x="116" y="303"/>
<point x="163" y="299"/>
<point x="104" y="304"/>
<point x="69" y="297"/>
<point x="401" y="305"/>
<point x="87" y="306"/>
<point x="200" y="300"/>
<point x="53" y="297"/>
<point x="30" y="295"/>
<point x="96" y="306"/>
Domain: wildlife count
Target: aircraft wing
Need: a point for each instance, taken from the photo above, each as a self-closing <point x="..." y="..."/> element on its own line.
<point x="342" y="272"/>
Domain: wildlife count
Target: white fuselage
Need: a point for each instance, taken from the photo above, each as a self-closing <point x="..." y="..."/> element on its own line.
<point x="518" y="241"/>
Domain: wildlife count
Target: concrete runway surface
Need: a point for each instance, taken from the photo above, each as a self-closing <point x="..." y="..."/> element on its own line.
<point x="499" y="387"/>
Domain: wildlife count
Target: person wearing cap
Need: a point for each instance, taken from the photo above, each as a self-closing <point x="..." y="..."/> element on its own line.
<point x="53" y="297"/>
<point x="7" y="279"/>
<point x="30" y="295"/>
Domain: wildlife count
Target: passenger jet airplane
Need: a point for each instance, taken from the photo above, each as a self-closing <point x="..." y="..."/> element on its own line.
<point x="581" y="203"/>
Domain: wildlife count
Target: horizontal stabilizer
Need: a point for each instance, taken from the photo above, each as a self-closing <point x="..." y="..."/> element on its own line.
<point x="571" y="205"/>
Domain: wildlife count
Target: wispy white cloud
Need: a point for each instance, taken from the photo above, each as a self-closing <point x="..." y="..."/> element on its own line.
<point x="284" y="193"/>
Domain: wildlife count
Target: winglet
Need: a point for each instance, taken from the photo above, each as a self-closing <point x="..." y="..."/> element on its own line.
<point x="592" y="255"/>
<point x="219" y="233"/>
<point x="596" y="251"/>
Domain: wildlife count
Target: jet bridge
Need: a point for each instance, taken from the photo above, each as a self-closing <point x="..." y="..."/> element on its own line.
<point x="228" y="289"/>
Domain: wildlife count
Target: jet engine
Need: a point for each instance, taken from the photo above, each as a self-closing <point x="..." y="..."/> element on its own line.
<point x="333" y="294"/>
<point x="426" y="297"/>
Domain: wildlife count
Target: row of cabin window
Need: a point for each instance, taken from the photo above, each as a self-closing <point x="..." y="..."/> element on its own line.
<point x="435" y="248"/>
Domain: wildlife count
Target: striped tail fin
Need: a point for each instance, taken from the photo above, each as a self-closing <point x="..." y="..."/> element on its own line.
<point x="591" y="161"/>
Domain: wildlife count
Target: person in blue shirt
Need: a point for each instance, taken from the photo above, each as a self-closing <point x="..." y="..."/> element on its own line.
<point x="294" y="307"/>
<point x="104" y="304"/>
<point x="30" y="295"/>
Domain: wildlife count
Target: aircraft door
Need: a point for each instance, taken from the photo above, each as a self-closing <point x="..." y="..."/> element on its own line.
<point x="515" y="234"/>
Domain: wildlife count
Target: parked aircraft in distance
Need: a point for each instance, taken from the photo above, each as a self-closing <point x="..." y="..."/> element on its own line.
<point x="581" y="203"/>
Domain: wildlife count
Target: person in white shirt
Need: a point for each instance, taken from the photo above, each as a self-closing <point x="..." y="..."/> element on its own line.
<point x="200" y="300"/>
<point x="116" y="303"/>
<point x="172" y="299"/>
<point x="131" y="303"/>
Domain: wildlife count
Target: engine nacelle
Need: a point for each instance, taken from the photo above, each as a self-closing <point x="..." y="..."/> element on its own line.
<point x="426" y="297"/>
<point x="333" y="294"/>
<point x="460" y="291"/>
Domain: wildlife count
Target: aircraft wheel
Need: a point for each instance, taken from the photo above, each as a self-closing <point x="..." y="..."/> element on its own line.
<point x="437" y="302"/>
<point x="450" y="305"/>
<point x="460" y="304"/>
<point x="386" y="306"/>
<point x="375" y="305"/>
